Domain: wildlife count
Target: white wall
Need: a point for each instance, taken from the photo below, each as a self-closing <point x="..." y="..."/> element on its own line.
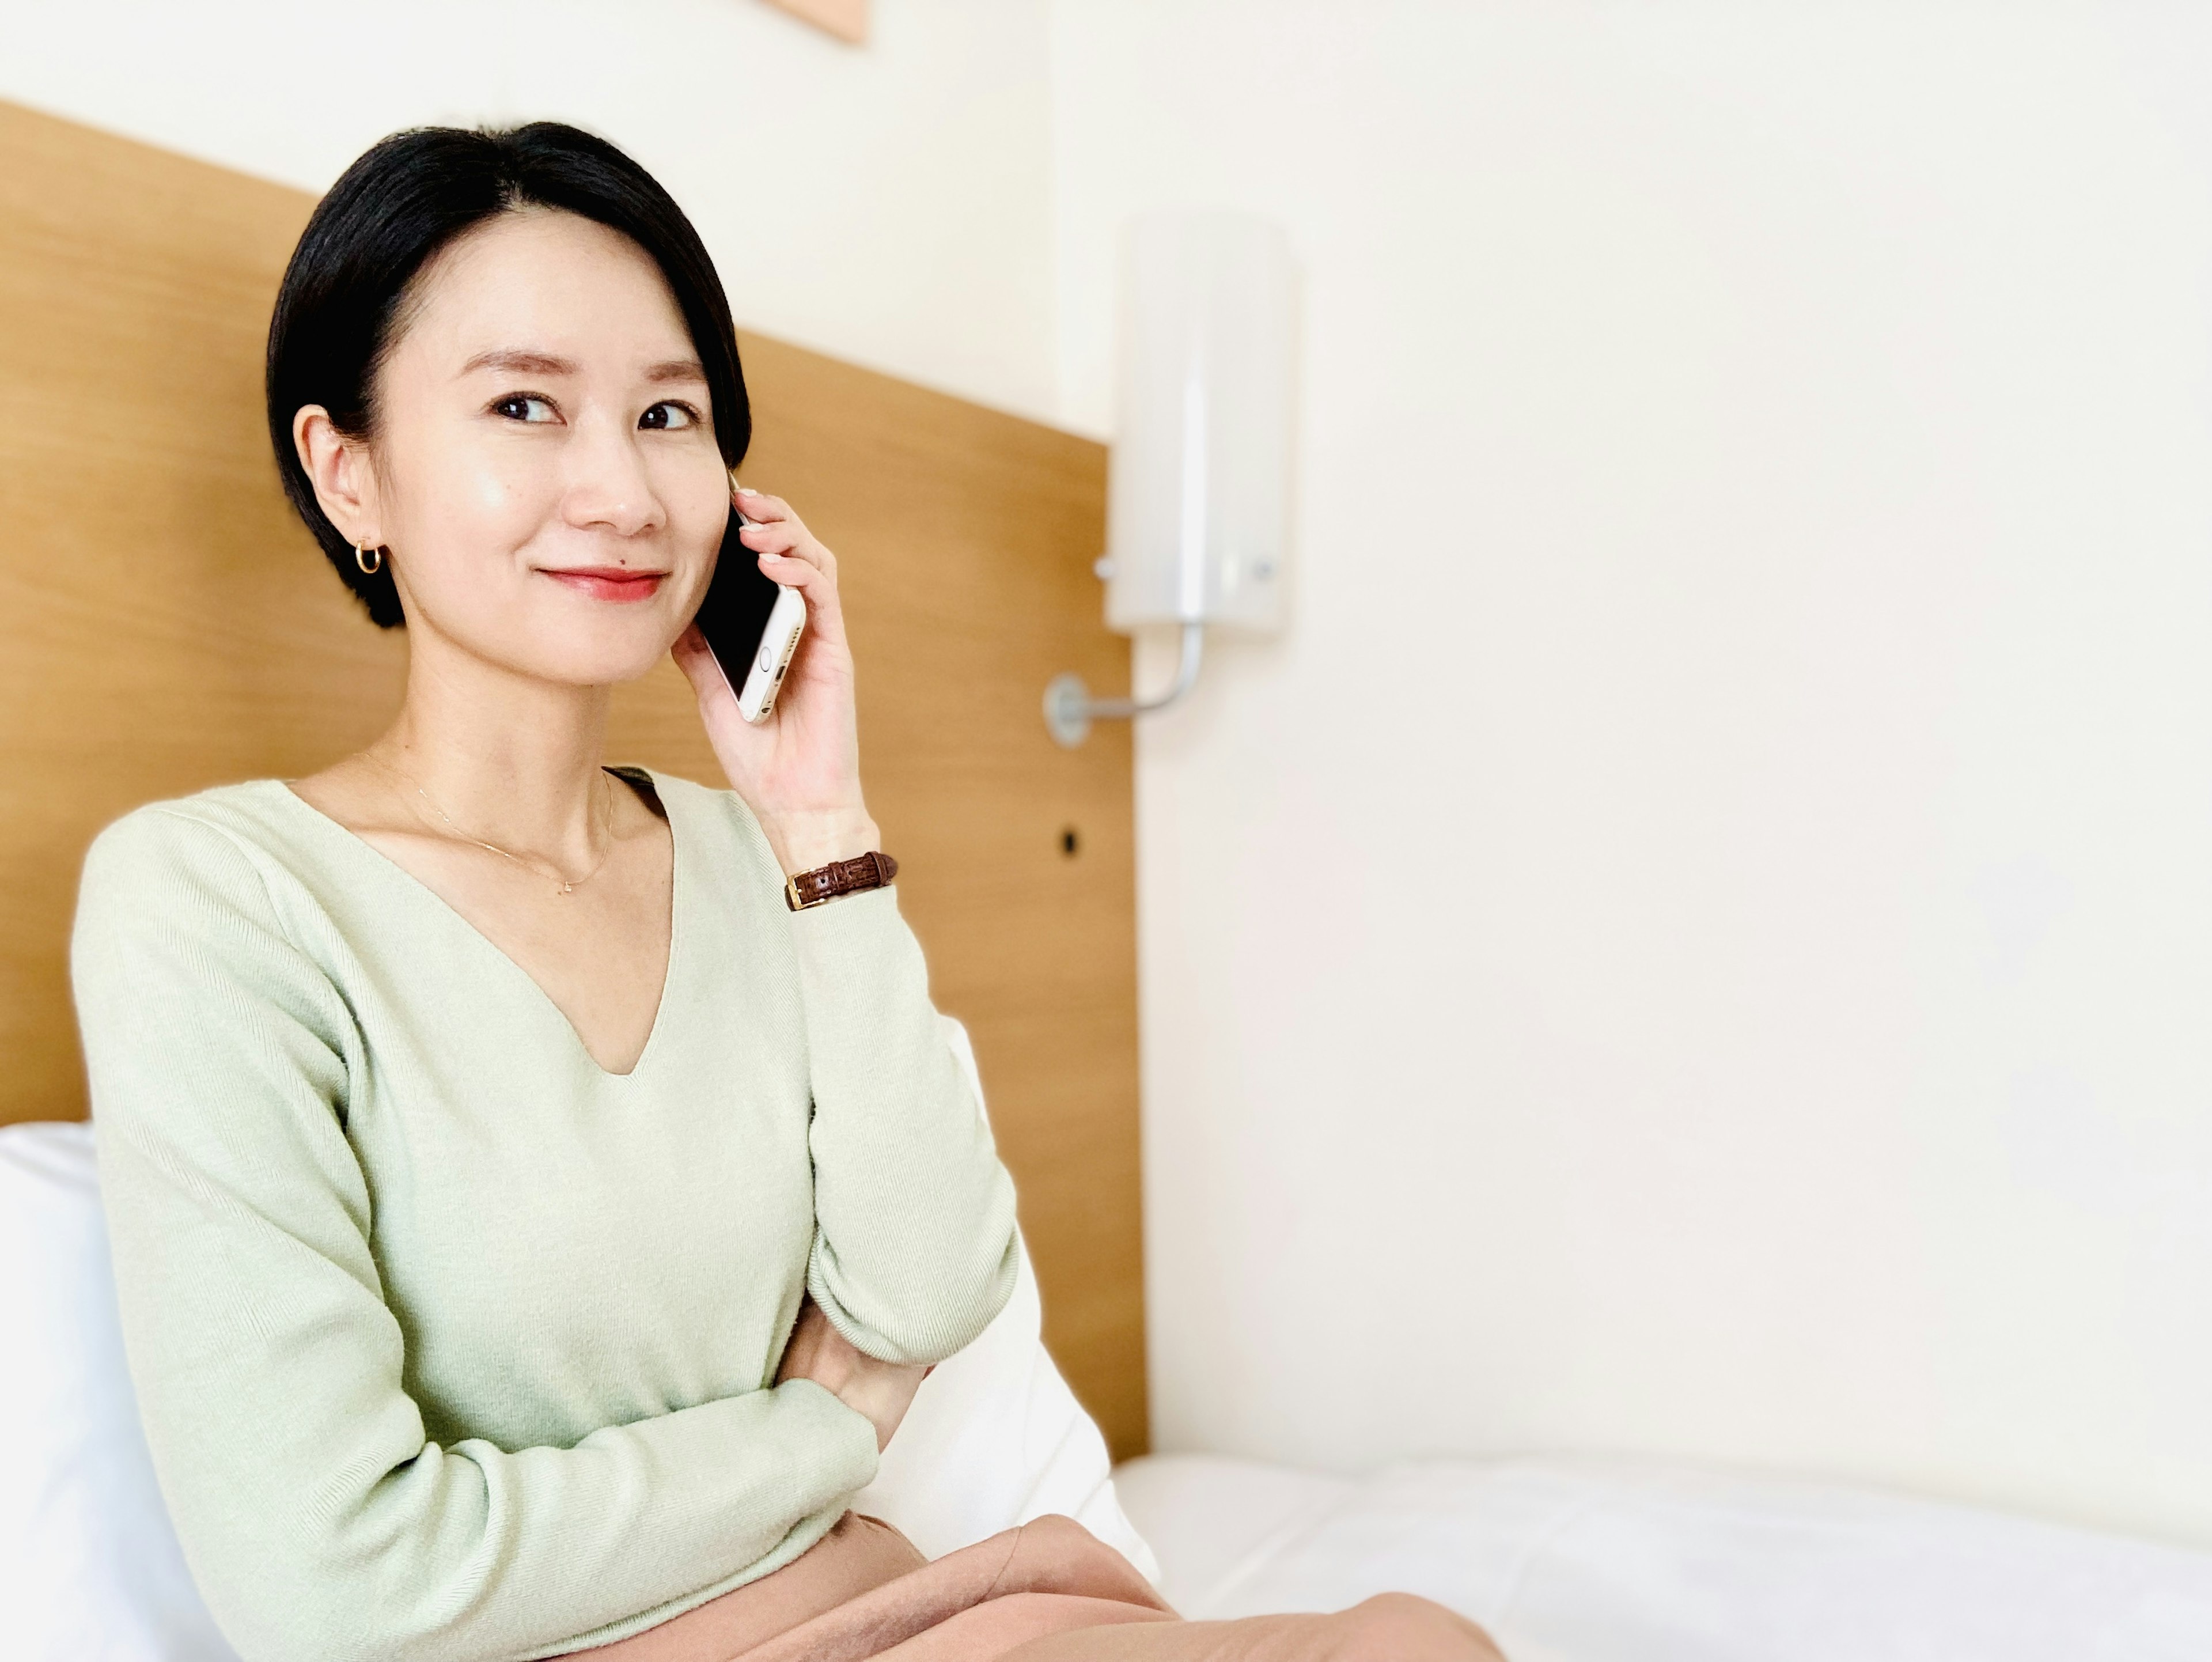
<point x="1733" y="982"/>
<point x="891" y="205"/>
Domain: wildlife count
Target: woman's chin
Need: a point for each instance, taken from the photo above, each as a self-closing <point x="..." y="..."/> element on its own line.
<point x="611" y="663"/>
<point x="588" y="656"/>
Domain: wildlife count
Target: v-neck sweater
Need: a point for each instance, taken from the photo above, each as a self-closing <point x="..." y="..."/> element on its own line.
<point x="449" y="1343"/>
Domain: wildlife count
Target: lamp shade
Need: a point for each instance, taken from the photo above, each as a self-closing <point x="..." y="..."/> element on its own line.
<point x="1198" y="506"/>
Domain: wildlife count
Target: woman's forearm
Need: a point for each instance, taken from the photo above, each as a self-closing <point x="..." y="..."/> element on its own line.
<point x="914" y="1246"/>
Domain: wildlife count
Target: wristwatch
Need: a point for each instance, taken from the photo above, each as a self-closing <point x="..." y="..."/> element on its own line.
<point x="872" y="870"/>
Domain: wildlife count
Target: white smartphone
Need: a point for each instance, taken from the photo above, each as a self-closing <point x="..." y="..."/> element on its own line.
<point x="786" y="621"/>
<point x="753" y="625"/>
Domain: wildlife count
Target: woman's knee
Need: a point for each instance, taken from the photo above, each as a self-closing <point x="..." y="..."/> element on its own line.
<point x="1061" y="1531"/>
<point x="1054" y="1554"/>
<point x="1399" y="1627"/>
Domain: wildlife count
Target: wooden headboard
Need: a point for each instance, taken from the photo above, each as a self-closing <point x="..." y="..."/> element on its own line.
<point x="167" y="625"/>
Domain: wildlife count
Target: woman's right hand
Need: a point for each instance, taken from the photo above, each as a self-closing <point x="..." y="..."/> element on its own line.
<point x="881" y="1391"/>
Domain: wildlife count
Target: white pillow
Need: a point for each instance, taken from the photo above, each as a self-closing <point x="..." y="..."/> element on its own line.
<point x="90" y="1570"/>
<point x="89" y="1566"/>
<point x="995" y="1438"/>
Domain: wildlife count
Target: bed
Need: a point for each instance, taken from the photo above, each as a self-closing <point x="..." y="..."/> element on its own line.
<point x="1566" y="1561"/>
<point x="167" y="626"/>
<point x="1594" y="1560"/>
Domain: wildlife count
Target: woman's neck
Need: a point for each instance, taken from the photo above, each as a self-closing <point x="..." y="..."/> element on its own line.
<point x="506" y="757"/>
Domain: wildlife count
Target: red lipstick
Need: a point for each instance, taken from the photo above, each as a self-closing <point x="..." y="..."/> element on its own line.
<point x="608" y="582"/>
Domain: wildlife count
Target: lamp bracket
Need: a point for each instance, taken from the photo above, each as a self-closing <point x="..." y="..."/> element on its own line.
<point x="1069" y="709"/>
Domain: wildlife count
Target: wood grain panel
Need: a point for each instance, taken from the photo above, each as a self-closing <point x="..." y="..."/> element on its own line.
<point x="166" y="625"/>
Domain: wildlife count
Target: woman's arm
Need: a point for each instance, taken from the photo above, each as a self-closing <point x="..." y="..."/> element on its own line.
<point x="915" y="1249"/>
<point x="319" y="1519"/>
<point x="881" y="1391"/>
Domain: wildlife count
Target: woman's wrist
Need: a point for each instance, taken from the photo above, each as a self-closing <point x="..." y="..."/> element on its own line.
<point x="805" y="841"/>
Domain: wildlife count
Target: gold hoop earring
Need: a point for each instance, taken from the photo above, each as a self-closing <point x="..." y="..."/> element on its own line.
<point x="370" y="560"/>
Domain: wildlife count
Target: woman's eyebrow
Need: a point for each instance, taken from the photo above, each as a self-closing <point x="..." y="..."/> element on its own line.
<point x="517" y="362"/>
<point x="520" y="362"/>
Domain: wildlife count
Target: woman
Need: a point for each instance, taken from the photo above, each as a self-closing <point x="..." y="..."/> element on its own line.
<point x="531" y="1224"/>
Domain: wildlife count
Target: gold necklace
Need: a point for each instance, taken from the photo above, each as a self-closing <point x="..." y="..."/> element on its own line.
<point x="542" y="868"/>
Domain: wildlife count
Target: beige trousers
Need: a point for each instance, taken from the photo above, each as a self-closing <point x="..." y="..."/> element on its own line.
<point x="1048" y="1591"/>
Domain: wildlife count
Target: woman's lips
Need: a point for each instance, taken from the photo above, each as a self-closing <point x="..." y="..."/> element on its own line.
<point x="609" y="582"/>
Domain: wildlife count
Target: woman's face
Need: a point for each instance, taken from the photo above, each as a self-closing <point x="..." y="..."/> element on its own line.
<point x="544" y="472"/>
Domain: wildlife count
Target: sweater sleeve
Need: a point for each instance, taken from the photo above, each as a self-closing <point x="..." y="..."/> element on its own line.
<point x="318" y="1519"/>
<point x="913" y="1244"/>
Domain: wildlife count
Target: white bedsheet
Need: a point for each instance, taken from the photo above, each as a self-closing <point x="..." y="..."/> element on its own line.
<point x="1565" y="1561"/>
<point x="1606" y="1562"/>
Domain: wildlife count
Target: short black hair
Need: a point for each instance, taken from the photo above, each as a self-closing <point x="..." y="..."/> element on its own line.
<point x="397" y="206"/>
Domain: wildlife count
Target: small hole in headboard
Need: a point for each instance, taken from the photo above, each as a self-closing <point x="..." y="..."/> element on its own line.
<point x="1069" y="841"/>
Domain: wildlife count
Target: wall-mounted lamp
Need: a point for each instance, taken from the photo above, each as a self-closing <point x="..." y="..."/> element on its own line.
<point x="1198" y="493"/>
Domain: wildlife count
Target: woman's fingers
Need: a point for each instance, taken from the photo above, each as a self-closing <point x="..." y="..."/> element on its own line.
<point x="882" y="1391"/>
<point x="760" y="506"/>
<point x="797" y="770"/>
<point x="816" y="1350"/>
<point x="790" y="555"/>
<point x="825" y="618"/>
<point x="776" y="530"/>
<point x="793" y="572"/>
<point x="774" y="537"/>
<point x="789" y="537"/>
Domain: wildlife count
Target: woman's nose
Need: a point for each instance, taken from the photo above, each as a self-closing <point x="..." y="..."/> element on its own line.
<point x="608" y="486"/>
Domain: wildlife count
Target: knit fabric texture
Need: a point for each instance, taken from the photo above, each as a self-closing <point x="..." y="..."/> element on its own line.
<point x="450" y="1345"/>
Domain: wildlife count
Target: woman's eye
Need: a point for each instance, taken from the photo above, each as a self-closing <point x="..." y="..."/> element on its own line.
<point x="525" y="406"/>
<point x="667" y="415"/>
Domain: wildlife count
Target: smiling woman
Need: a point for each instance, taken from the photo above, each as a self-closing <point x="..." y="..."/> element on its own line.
<point x="562" y="456"/>
<point x="531" y="1217"/>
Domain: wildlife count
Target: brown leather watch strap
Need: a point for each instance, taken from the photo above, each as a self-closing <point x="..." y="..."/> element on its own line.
<point x="872" y="870"/>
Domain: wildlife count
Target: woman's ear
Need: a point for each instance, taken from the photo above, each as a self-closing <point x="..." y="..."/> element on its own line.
<point x="343" y="477"/>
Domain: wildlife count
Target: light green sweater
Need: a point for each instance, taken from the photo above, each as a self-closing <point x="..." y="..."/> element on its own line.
<point x="450" y="1344"/>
